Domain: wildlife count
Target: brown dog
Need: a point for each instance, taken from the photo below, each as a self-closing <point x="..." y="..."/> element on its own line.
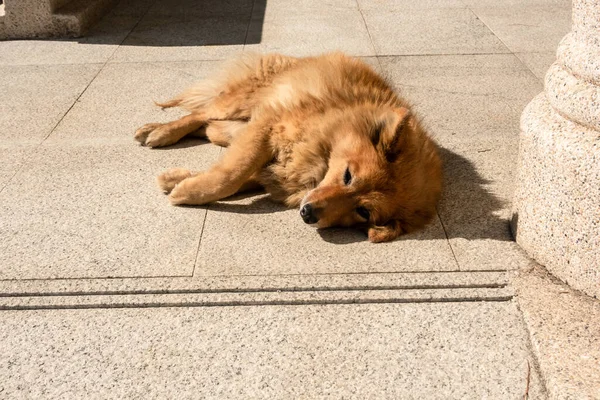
<point x="323" y="133"/>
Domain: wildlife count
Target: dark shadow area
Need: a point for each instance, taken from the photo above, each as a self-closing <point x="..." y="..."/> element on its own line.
<point x="180" y="23"/>
<point x="468" y="208"/>
<point x="342" y="235"/>
<point x="188" y="141"/>
<point x="260" y="204"/>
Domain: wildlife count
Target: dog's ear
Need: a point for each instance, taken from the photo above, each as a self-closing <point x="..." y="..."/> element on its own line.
<point x="390" y="134"/>
<point x="385" y="233"/>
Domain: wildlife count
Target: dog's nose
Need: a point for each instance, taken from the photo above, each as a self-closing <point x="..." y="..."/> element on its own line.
<point x="308" y="215"/>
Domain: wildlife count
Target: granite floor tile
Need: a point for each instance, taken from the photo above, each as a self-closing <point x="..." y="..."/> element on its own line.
<point x="538" y="63"/>
<point x="35" y="98"/>
<point x="430" y="31"/>
<point x="309" y="33"/>
<point x="519" y="3"/>
<point x="255" y="236"/>
<point x="184" y="37"/>
<point x="204" y="8"/>
<point x="82" y="209"/>
<point x="13" y="155"/>
<point x="270" y="10"/>
<point x="396" y="351"/>
<point x="527" y="28"/>
<point x="121" y="99"/>
<point x="465" y="95"/>
<point x="400" y="5"/>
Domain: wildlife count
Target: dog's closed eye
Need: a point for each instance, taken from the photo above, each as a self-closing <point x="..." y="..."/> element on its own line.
<point x="363" y="212"/>
<point x="347" y="177"/>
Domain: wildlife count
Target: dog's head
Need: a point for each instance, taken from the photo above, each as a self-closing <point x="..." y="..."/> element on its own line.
<point x="384" y="174"/>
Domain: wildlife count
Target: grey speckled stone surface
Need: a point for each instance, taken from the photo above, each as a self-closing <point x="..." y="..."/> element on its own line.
<point x="282" y="243"/>
<point x="306" y="33"/>
<point x="457" y="31"/>
<point x="473" y="96"/>
<point x="35" y="98"/>
<point x="565" y="331"/>
<point x="93" y="210"/>
<point x="538" y="63"/>
<point x="433" y="351"/>
<point x="527" y="27"/>
<point x="184" y="37"/>
<point x="573" y="97"/>
<point x="557" y="199"/>
<point x="400" y="5"/>
<point x="121" y="99"/>
<point x="13" y="155"/>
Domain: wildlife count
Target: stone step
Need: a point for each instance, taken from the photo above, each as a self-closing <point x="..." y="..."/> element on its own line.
<point x="257" y="298"/>
<point x="255" y="290"/>
<point x="253" y="283"/>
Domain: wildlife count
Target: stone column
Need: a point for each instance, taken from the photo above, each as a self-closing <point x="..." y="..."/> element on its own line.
<point x="556" y="210"/>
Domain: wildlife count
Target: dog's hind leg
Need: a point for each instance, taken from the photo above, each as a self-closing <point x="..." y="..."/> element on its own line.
<point x="159" y="135"/>
<point x="222" y="133"/>
<point x="247" y="155"/>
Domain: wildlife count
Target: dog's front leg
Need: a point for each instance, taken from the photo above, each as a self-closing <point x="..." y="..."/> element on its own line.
<point x="247" y="154"/>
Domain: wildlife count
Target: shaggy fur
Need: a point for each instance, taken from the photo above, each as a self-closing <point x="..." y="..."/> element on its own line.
<point x="326" y="134"/>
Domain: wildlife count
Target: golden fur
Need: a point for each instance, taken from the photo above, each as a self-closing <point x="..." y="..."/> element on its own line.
<point x="326" y="134"/>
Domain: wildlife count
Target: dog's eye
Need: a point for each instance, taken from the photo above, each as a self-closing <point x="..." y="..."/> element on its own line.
<point x="347" y="177"/>
<point x="363" y="212"/>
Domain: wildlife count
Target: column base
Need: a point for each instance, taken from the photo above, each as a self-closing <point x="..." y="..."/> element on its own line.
<point x="556" y="210"/>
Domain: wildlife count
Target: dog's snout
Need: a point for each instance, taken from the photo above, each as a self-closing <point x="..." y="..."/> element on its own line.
<point x="308" y="214"/>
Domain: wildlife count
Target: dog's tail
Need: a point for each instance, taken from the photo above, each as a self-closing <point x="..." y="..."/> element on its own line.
<point x="169" y="103"/>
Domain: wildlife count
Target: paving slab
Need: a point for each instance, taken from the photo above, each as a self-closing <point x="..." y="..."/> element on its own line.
<point x="270" y="10"/>
<point x="35" y="98"/>
<point x="538" y="63"/>
<point x="121" y="99"/>
<point x="465" y="94"/>
<point x="282" y="244"/>
<point x="457" y="31"/>
<point x="205" y="8"/>
<point x="494" y="3"/>
<point x="434" y="351"/>
<point x="308" y="33"/>
<point x="266" y="13"/>
<point x="527" y="28"/>
<point x="184" y="37"/>
<point x="92" y="209"/>
<point x="13" y="154"/>
<point x="399" y="5"/>
<point x="565" y="331"/>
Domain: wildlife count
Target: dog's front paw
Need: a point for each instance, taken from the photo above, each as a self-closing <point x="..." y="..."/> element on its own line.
<point x="155" y="135"/>
<point x="180" y="195"/>
<point x="141" y="135"/>
<point x="169" y="179"/>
